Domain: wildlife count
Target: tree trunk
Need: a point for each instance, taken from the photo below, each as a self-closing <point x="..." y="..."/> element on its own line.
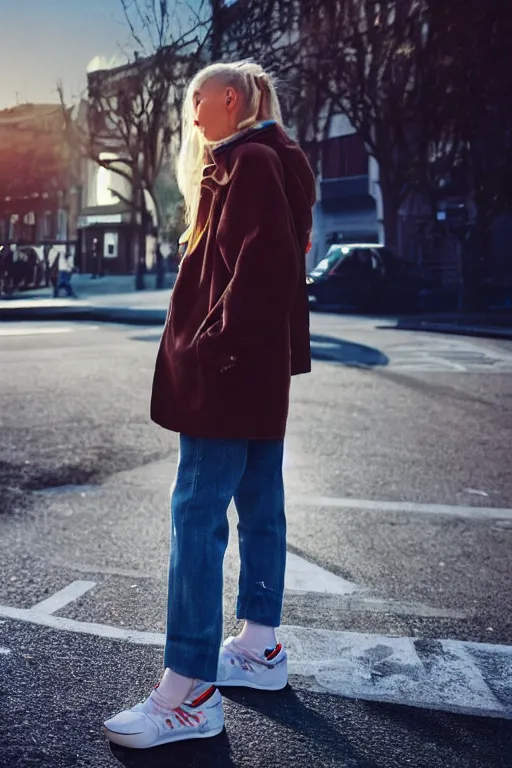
<point x="139" y="235"/>
<point x="217" y="31"/>
<point x="390" y="218"/>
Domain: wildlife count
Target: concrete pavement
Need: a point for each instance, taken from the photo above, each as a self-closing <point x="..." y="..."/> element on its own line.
<point x="492" y="325"/>
<point x="108" y="299"/>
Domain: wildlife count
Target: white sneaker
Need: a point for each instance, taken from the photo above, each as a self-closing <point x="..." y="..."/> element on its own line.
<point x="148" y="724"/>
<point x="240" y="667"/>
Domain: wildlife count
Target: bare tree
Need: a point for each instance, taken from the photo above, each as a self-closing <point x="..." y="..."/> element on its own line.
<point x="379" y="62"/>
<point x="270" y="32"/>
<point x="478" y="34"/>
<point x="132" y="113"/>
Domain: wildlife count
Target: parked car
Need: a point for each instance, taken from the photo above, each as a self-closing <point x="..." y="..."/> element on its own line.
<point x="365" y="277"/>
<point x="21" y="268"/>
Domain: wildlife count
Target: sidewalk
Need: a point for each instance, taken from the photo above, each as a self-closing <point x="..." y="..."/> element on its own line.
<point x="109" y="299"/>
<point x="492" y="325"/>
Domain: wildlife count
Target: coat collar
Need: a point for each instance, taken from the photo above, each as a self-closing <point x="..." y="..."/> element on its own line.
<point x="240" y="137"/>
<point x="216" y="171"/>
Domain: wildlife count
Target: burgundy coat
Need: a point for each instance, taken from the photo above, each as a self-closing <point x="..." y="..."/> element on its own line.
<point x="238" y="322"/>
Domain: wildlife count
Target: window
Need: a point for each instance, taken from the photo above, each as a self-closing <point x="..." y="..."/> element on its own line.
<point x="335" y="254"/>
<point x="62" y="225"/>
<point x="47" y="224"/>
<point x="343" y="157"/>
<point x="13" y="225"/>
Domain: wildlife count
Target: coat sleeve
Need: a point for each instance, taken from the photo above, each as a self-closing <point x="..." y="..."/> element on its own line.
<point x="257" y="241"/>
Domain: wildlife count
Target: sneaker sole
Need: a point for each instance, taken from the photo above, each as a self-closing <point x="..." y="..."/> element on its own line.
<point x="125" y="740"/>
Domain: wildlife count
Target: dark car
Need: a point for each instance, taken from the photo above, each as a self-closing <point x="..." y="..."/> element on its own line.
<point x="365" y="277"/>
<point x="21" y="268"/>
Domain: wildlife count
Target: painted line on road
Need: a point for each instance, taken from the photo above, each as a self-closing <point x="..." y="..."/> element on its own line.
<point x="35" y="331"/>
<point x="410" y="507"/>
<point x="447" y="675"/>
<point x="303" y="576"/>
<point x="357" y="604"/>
<point x="73" y="565"/>
<point x="32" y="331"/>
<point x="4" y="651"/>
<point x="65" y="596"/>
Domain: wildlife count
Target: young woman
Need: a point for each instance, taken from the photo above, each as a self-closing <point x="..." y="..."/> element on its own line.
<point x="237" y="330"/>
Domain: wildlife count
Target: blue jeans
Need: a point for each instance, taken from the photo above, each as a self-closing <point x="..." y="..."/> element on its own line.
<point x="210" y="474"/>
<point x="64" y="282"/>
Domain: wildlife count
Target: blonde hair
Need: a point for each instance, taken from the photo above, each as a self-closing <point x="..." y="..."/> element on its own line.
<point x="259" y="102"/>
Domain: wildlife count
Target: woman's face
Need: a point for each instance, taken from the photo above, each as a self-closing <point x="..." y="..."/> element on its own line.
<point x="216" y="110"/>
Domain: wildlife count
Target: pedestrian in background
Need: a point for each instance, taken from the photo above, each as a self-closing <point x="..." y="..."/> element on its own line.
<point x="65" y="273"/>
<point x="46" y="262"/>
<point x="95" y="256"/>
<point x="237" y="330"/>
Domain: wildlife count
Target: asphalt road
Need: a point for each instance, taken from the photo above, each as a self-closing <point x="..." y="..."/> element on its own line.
<point x="399" y="483"/>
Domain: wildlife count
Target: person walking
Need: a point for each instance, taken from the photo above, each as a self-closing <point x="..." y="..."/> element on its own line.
<point x="236" y="331"/>
<point x="65" y="273"/>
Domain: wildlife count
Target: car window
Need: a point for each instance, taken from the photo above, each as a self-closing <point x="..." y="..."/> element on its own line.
<point x="333" y="256"/>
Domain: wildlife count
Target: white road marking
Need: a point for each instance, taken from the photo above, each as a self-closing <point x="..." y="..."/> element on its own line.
<point x="410" y="507"/>
<point x="44" y="303"/>
<point x="43" y="331"/>
<point x="360" y="604"/>
<point x="448" y="675"/>
<point x="73" y="565"/>
<point x="65" y="596"/>
<point x="4" y="651"/>
<point x="303" y="576"/>
<point x="440" y="354"/>
<point x="43" y="619"/>
<point x="33" y="331"/>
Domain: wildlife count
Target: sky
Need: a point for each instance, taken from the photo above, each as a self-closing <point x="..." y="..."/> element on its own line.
<point x="42" y="41"/>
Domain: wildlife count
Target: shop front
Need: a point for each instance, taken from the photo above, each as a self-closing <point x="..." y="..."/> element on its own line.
<point x="105" y="240"/>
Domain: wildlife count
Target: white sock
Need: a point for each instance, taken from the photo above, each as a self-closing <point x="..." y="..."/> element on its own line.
<point x="257" y="637"/>
<point x="173" y="689"/>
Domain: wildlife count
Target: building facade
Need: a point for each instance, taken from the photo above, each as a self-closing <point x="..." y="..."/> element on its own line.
<point x="105" y="223"/>
<point x="118" y="220"/>
<point x="40" y="181"/>
<point x="348" y="207"/>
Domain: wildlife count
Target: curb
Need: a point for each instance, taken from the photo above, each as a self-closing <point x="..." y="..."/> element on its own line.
<point x="491" y="332"/>
<point x="89" y="312"/>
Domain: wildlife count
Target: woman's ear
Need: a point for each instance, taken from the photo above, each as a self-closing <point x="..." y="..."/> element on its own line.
<point x="231" y="99"/>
